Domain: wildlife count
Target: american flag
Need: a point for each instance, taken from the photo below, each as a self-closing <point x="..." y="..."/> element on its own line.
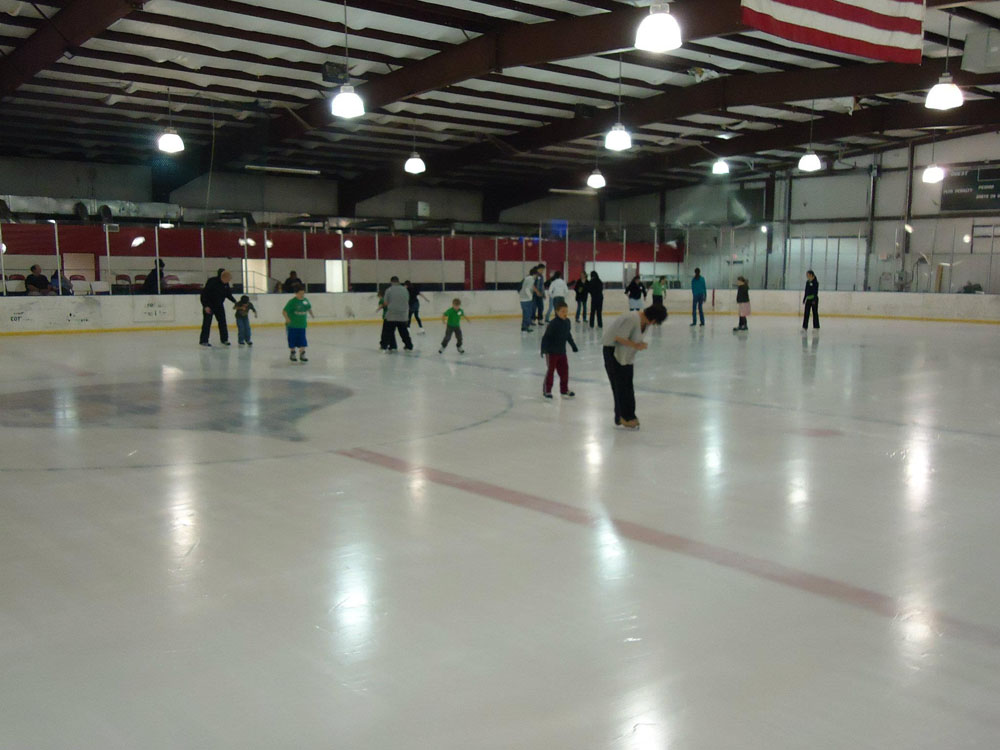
<point x="890" y="30"/>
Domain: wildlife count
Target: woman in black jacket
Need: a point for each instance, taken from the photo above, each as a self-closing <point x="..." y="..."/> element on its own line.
<point x="213" y="299"/>
<point x="595" y="289"/>
<point x="742" y="303"/>
<point x="580" y="287"/>
<point x="636" y="292"/>
<point x="811" y="299"/>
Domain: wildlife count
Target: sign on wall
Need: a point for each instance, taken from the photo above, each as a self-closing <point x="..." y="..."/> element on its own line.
<point x="51" y="314"/>
<point x="152" y="308"/>
<point x="971" y="189"/>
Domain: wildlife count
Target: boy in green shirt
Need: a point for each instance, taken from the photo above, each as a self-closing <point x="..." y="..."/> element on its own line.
<point x="453" y="325"/>
<point x="296" y="313"/>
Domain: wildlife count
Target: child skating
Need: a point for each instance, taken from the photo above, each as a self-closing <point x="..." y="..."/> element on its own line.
<point x="296" y="313"/>
<point x="558" y="333"/>
<point x="453" y="318"/>
<point x="242" y="309"/>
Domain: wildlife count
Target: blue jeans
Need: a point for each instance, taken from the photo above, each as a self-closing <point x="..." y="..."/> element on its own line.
<point x="243" y="330"/>
<point x="527" y="308"/>
<point x="581" y="305"/>
<point x="697" y="308"/>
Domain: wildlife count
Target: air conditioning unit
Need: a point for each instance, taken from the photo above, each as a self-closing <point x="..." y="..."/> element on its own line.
<point x="982" y="52"/>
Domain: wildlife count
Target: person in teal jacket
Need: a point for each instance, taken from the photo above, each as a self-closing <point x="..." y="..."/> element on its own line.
<point x="699" y="294"/>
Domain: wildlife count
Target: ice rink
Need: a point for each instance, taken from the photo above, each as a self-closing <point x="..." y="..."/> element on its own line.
<point x="217" y="548"/>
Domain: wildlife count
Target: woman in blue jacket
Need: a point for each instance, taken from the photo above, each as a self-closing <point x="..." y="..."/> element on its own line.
<point x="699" y="294"/>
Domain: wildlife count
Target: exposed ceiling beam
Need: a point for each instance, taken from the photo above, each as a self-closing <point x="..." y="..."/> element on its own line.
<point x="512" y="45"/>
<point x="716" y="95"/>
<point x="875" y="120"/>
<point x="71" y="27"/>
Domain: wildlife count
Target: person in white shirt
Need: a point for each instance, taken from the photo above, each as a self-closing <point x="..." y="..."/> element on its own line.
<point x="527" y="294"/>
<point x="622" y="340"/>
<point x="558" y="290"/>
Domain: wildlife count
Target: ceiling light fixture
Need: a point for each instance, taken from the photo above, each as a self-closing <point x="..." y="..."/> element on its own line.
<point x="721" y="166"/>
<point x="618" y="138"/>
<point x="415" y="165"/>
<point x="596" y="180"/>
<point x="347" y="103"/>
<point x="810" y="160"/>
<point x="933" y="174"/>
<point x="945" y="94"/>
<point x="659" y="31"/>
<point x="170" y="142"/>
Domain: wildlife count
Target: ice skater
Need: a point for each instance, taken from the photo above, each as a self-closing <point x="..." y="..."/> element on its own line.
<point x="636" y="293"/>
<point x="396" y="302"/>
<point x="623" y="339"/>
<point x="595" y="290"/>
<point x="699" y="293"/>
<point x="213" y="299"/>
<point x="453" y="318"/>
<point x="811" y="300"/>
<point x="296" y="313"/>
<point x="742" y="303"/>
<point x="558" y="290"/>
<point x="241" y="311"/>
<point x="558" y="333"/>
<point x="659" y="286"/>
<point x="415" y="295"/>
<point x="580" y="287"/>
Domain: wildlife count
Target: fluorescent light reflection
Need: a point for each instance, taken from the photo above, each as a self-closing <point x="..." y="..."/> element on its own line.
<point x="612" y="553"/>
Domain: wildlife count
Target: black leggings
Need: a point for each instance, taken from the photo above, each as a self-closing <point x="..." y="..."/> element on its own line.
<point x="597" y="308"/>
<point x="415" y="313"/>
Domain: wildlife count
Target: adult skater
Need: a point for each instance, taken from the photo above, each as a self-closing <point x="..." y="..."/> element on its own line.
<point x="699" y="293"/>
<point x="526" y="295"/>
<point x="595" y="290"/>
<point x="213" y="299"/>
<point x="558" y="290"/>
<point x="396" y="302"/>
<point x="580" y="287"/>
<point x="539" y="299"/>
<point x="811" y="300"/>
<point x="415" y="294"/>
<point x="636" y="293"/>
<point x="622" y="340"/>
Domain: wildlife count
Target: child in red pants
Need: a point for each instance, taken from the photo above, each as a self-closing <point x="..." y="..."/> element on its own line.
<point x="558" y="333"/>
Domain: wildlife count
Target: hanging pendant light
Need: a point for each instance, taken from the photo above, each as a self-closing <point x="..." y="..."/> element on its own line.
<point x="659" y="31"/>
<point x="945" y="94"/>
<point x="933" y="174"/>
<point x="415" y="165"/>
<point x="170" y="142"/>
<point x="618" y="138"/>
<point x="810" y="160"/>
<point x="721" y="166"/>
<point x="347" y="103"/>
<point x="596" y="180"/>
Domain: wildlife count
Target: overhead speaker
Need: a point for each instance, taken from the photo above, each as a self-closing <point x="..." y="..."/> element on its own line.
<point x="104" y="214"/>
<point x="5" y="215"/>
<point x="80" y="211"/>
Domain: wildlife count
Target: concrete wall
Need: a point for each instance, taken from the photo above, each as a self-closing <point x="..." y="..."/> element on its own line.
<point x="572" y="208"/>
<point x="257" y="192"/>
<point x="72" y="179"/>
<point x="23" y="315"/>
<point x="460" y="205"/>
